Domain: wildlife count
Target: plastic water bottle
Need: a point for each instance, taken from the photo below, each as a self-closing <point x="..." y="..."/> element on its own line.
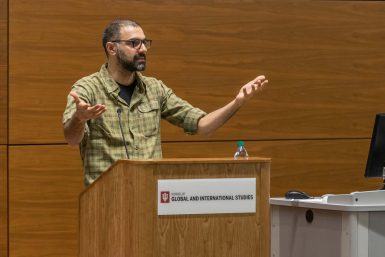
<point x="241" y="152"/>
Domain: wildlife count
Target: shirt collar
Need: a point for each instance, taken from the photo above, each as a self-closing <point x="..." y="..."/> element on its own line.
<point x="113" y="87"/>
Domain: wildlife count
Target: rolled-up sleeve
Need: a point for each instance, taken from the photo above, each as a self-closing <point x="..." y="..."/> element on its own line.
<point x="179" y="112"/>
<point x="69" y="110"/>
<point x="190" y="124"/>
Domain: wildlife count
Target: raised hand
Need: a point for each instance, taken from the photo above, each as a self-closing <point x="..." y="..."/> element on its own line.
<point x="84" y="111"/>
<point x="248" y="90"/>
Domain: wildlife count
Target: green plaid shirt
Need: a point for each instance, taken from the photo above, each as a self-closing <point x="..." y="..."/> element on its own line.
<point x="103" y="144"/>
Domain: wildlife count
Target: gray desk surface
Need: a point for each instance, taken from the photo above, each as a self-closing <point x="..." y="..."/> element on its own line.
<point x="356" y="201"/>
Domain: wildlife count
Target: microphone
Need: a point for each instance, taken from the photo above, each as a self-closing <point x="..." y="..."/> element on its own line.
<point x="119" y="111"/>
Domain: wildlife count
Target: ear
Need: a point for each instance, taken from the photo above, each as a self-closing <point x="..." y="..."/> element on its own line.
<point x="111" y="48"/>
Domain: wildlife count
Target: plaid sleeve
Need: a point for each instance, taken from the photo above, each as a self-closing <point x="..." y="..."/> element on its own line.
<point x="69" y="110"/>
<point x="179" y="112"/>
<point x="190" y="124"/>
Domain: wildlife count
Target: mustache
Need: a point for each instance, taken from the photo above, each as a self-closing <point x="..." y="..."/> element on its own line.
<point x="140" y="56"/>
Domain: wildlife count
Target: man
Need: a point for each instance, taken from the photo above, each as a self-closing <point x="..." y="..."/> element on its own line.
<point x="115" y="113"/>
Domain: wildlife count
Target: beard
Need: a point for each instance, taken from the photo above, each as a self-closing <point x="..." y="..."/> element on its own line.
<point x="137" y="64"/>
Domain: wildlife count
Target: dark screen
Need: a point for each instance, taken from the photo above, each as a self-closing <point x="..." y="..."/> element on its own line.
<point x="376" y="156"/>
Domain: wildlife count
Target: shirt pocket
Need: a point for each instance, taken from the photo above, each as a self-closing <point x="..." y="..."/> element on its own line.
<point x="98" y="129"/>
<point x="148" y="118"/>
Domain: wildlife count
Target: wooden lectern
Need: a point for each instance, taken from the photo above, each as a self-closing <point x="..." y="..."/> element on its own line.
<point x="118" y="212"/>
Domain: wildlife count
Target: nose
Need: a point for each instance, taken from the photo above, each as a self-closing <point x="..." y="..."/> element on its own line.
<point x="142" y="48"/>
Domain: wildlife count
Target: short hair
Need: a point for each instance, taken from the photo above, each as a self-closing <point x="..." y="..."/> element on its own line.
<point x="112" y="31"/>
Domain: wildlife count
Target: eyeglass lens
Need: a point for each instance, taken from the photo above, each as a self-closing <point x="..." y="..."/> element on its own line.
<point x="137" y="43"/>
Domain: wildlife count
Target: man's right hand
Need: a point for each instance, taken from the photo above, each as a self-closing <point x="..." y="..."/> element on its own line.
<point x="85" y="111"/>
<point x="74" y="127"/>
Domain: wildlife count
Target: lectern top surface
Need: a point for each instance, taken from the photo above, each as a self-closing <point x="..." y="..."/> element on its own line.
<point x="198" y="160"/>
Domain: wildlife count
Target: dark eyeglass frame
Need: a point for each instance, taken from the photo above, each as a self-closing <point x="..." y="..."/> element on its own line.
<point x="135" y="43"/>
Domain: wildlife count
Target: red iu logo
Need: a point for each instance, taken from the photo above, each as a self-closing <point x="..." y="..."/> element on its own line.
<point x="164" y="197"/>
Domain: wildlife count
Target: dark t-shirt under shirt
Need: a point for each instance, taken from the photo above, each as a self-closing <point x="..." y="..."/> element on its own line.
<point x="127" y="91"/>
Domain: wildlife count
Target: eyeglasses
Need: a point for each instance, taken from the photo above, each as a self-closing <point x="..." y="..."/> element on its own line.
<point x="135" y="43"/>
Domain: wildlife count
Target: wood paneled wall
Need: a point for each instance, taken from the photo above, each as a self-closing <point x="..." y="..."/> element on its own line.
<point x="3" y="128"/>
<point x="3" y="71"/>
<point x="43" y="197"/>
<point x="320" y="57"/>
<point x="3" y="202"/>
<point x="324" y="59"/>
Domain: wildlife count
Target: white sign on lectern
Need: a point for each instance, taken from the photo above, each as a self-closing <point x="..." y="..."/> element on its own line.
<point x="206" y="196"/>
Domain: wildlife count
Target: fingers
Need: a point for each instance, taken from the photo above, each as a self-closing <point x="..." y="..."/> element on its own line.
<point x="256" y="84"/>
<point x="93" y="112"/>
<point x="250" y="89"/>
<point x="75" y="96"/>
<point x="85" y="111"/>
<point x="259" y="82"/>
<point x="96" y="110"/>
<point x="261" y="78"/>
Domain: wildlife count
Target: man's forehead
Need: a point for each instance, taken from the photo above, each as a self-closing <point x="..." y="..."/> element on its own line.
<point x="127" y="32"/>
